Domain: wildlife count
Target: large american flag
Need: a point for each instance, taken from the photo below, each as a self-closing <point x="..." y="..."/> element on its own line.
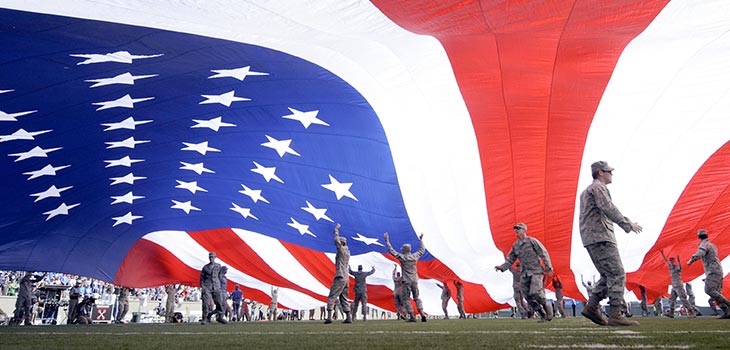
<point x="137" y="137"/>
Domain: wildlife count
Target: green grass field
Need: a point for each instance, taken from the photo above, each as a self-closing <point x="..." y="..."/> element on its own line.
<point x="570" y="333"/>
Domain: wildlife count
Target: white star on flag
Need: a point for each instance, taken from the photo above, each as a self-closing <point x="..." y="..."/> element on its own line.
<point x="224" y="99"/>
<point x="213" y="124"/>
<point x="367" y="240"/>
<point x="127" y="179"/>
<point x="125" y="101"/>
<point x="47" y="170"/>
<point x="128" y="143"/>
<point x="61" y="210"/>
<point x="201" y="148"/>
<point x="317" y="213"/>
<point x="126" y="219"/>
<point x="35" y="152"/>
<point x="303" y="229"/>
<point x="199" y="168"/>
<point x="184" y="206"/>
<point x="341" y="189"/>
<point x="245" y="212"/>
<point x="50" y="192"/>
<point x="127" y="198"/>
<point x="306" y="118"/>
<point x="190" y="186"/>
<point x="128" y="123"/>
<point x="280" y="146"/>
<point x="254" y="194"/>
<point x="4" y="91"/>
<point x="119" y="57"/>
<point x="126" y="161"/>
<point x="267" y="173"/>
<point x="21" y="134"/>
<point x="125" y="78"/>
<point x="238" y="73"/>
<point x="10" y="117"/>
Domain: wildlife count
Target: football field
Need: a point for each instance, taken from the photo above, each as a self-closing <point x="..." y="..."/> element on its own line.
<point x="570" y="333"/>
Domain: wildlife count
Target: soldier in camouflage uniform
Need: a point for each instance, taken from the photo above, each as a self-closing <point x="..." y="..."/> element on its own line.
<point x="517" y="291"/>
<point x="210" y="285"/>
<point x="408" y="262"/>
<point x="675" y="272"/>
<point x="707" y="251"/>
<point x="559" y="301"/>
<point x="597" y="216"/>
<point x="530" y="252"/>
<point x="361" y="291"/>
<point x="445" y="297"/>
<point x="338" y="290"/>
<point x="400" y="309"/>
<point x="460" y="298"/>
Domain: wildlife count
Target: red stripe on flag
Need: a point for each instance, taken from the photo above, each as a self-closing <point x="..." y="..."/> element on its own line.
<point x="229" y="247"/>
<point x="532" y="75"/>
<point x="148" y="264"/>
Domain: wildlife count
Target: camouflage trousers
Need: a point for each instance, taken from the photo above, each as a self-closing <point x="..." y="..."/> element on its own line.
<point x="519" y="300"/>
<point x="533" y="290"/>
<point x="338" y="291"/>
<point x="713" y="288"/>
<point x="679" y="292"/>
<point x="607" y="261"/>
<point x="410" y="288"/>
<point x="360" y="298"/>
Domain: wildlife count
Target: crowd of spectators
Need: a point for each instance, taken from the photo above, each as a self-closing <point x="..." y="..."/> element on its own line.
<point x="9" y="284"/>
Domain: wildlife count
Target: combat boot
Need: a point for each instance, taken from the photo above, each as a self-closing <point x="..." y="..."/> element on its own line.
<point x="726" y="311"/>
<point x="591" y="311"/>
<point x="329" y="317"/>
<point x="549" y="314"/>
<point x="347" y="318"/>
<point x="616" y="319"/>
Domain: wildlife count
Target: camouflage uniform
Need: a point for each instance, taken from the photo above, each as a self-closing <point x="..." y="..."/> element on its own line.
<point x="517" y="292"/>
<point x="559" y="302"/>
<point x="123" y="302"/>
<point x="361" y="291"/>
<point x="274" y="305"/>
<point x="410" y="278"/>
<point x="445" y="296"/>
<point x="675" y="271"/>
<point x="338" y="289"/>
<point x="398" y="294"/>
<point x="171" y="291"/>
<point x="597" y="216"/>
<point x="530" y="251"/>
<point x="690" y="294"/>
<point x="460" y="298"/>
<point x="210" y="286"/>
<point x="707" y="251"/>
